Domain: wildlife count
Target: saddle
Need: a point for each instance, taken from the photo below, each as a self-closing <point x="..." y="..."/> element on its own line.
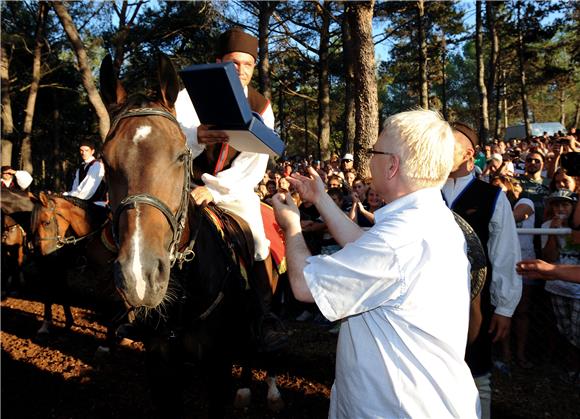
<point x="236" y="234"/>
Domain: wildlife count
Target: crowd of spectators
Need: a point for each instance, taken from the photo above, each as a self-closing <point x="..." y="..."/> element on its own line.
<point x="542" y="183"/>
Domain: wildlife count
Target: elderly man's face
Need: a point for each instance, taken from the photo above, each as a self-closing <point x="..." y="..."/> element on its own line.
<point x="244" y="63"/>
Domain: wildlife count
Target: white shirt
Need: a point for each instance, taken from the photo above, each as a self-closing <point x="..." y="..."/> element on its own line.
<point x="246" y="170"/>
<point x="402" y="290"/>
<point x="87" y="188"/>
<point x="502" y="247"/>
<point x="527" y="240"/>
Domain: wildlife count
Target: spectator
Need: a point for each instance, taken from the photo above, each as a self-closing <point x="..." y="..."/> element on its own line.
<point x="363" y="213"/>
<point x="400" y="351"/>
<point x="89" y="182"/>
<point x="349" y="177"/>
<point x="561" y="180"/>
<point x="15" y="179"/>
<point x="534" y="187"/>
<point x="565" y="295"/>
<point x="488" y="211"/>
<point x="334" y="181"/>
<point x="346" y="164"/>
<point x="540" y="269"/>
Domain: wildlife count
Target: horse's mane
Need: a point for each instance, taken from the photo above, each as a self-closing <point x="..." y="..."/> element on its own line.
<point x="77" y="202"/>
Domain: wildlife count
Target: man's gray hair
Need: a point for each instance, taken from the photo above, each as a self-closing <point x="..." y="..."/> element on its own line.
<point x="424" y="142"/>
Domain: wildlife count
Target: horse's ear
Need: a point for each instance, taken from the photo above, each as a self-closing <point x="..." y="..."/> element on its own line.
<point x="167" y="81"/>
<point x="43" y="198"/>
<point x="112" y="90"/>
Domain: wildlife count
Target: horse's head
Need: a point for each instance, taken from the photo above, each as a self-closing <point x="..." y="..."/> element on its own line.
<point x="50" y="222"/>
<point x="147" y="164"/>
<point x="12" y="233"/>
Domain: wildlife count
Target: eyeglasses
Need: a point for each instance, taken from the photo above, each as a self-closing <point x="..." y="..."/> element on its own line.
<point x="533" y="161"/>
<point x="371" y="151"/>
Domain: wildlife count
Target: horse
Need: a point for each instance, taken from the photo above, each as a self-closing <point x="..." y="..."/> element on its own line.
<point x="16" y="208"/>
<point x="173" y="260"/>
<point x="64" y="229"/>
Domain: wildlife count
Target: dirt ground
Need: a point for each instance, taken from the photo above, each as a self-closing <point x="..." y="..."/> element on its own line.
<point x="63" y="377"/>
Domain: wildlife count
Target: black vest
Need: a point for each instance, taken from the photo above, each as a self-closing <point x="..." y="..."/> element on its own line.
<point x="476" y="205"/>
<point x="101" y="192"/>
<point x="206" y="161"/>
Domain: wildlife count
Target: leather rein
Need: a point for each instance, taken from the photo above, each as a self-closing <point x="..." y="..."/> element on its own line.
<point x="176" y="221"/>
<point x="61" y="241"/>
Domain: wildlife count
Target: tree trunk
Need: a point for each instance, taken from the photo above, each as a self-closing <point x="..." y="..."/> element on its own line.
<point x="523" y="84"/>
<point x="492" y="80"/>
<point x="481" y="88"/>
<point x="120" y="38"/>
<point x="577" y="117"/>
<point x="26" y="145"/>
<point x="366" y="96"/>
<point x="84" y="68"/>
<point x="323" y="82"/>
<point x="7" y="120"/>
<point x="444" y="75"/>
<point x="349" y="84"/>
<point x="423" y="82"/>
<point x="265" y="11"/>
<point x="504" y="101"/>
<point x="562" y="107"/>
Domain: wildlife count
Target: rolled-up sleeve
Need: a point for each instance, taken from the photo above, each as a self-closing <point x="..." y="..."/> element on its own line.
<point x="362" y="276"/>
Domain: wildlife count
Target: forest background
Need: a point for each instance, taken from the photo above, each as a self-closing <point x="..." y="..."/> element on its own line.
<point x="333" y="70"/>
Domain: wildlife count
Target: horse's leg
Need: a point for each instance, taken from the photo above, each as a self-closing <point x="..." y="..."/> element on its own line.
<point x="243" y="396"/>
<point x="219" y="386"/>
<point x="164" y="379"/>
<point x="47" y="322"/>
<point x="274" y="398"/>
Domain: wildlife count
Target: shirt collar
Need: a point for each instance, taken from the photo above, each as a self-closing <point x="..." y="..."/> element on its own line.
<point x="88" y="161"/>
<point x="413" y="200"/>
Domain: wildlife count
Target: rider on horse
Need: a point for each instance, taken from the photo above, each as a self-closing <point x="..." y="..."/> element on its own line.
<point x="234" y="174"/>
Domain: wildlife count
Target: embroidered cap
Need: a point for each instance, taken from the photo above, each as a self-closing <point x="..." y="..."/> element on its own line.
<point x="236" y="40"/>
<point x="467" y="131"/>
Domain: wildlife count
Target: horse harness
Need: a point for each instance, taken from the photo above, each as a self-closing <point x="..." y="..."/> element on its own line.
<point x="177" y="221"/>
<point x="60" y="240"/>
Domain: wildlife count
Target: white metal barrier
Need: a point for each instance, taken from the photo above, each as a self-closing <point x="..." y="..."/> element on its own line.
<point x="548" y="231"/>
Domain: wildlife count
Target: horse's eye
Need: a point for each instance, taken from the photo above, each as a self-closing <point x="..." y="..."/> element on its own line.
<point x="46" y="223"/>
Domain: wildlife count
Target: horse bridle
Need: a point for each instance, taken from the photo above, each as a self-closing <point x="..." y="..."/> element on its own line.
<point x="177" y="221"/>
<point x="60" y="240"/>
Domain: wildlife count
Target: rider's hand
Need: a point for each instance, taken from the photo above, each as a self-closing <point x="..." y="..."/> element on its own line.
<point x="201" y="195"/>
<point x="209" y="136"/>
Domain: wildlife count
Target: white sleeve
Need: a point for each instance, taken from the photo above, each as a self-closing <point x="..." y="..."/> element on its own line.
<point x="189" y="121"/>
<point x="504" y="251"/>
<point x="246" y="171"/>
<point x="23" y="179"/>
<point x="75" y="185"/>
<point x="87" y="188"/>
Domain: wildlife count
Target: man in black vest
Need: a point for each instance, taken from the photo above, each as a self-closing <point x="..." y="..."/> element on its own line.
<point x="231" y="176"/>
<point x="88" y="183"/>
<point x="487" y="210"/>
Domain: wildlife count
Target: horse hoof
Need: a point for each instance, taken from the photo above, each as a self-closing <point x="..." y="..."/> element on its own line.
<point x="243" y="398"/>
<point x="276" y="405"/>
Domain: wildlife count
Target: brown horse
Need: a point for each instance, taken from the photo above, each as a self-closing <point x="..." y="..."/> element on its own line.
<point x="201" y="309"/>
<point x="16" y="208"/>
<point x="65" y="229"/>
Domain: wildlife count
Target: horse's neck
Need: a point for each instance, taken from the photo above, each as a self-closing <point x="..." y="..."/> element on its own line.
<point x="79" y="220"/>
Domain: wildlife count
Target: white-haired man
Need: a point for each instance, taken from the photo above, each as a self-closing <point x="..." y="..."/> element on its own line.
<point x="404" y="324"/>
